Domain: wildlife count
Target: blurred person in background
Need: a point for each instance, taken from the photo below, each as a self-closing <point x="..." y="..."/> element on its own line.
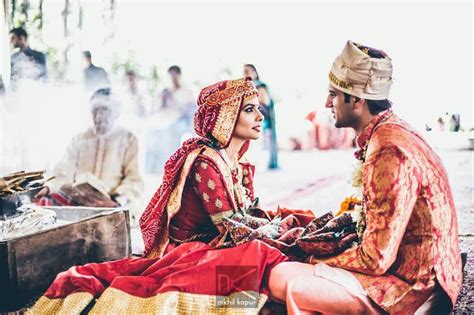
<point x="173" y="123"/>
<point x="136" y="101"/>
<point x="178" y="98"/>
<point x="2" y="86"/>
<point x="268" y="111"/>
<point x="324" y="136"/>
<point x="94" y="77"/>
<point x="136" y="106"/>
<point x="455" y="122"/>
<point x="26" y="63"/>
<point x="440" y="123"/>
<point x="105" y="152"/>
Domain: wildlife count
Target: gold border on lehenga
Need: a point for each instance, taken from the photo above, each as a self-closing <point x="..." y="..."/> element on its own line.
<point x="72" y="304"/>
<point x="114" y="301"/>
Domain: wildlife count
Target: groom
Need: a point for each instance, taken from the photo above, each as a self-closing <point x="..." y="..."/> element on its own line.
<point x="408" y="258"/>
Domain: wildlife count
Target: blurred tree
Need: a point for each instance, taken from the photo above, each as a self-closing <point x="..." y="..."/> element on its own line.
<point x="108" y="14"/>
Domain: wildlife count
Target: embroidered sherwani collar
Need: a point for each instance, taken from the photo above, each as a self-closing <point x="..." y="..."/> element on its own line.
<point x="366" y="134"/>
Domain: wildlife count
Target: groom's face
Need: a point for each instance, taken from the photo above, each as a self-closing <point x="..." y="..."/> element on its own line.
<point x="342" y="111"/>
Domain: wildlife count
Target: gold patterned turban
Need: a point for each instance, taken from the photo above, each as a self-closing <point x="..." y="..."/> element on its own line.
<point x="363" y="72"/>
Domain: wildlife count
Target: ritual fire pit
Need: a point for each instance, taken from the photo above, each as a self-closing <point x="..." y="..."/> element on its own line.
<point x="17" y="189"/>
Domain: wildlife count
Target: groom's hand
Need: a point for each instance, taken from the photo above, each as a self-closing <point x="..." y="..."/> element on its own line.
<point x="311" y="260"/>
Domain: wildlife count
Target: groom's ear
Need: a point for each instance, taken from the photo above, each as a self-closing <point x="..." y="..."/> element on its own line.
<point x="358" y="102"/>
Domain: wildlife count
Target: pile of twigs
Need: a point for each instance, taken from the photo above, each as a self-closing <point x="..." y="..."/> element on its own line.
<point x="21" y="182"/>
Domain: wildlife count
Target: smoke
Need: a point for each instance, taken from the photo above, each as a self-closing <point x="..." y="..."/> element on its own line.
<point x="37" y="122"/>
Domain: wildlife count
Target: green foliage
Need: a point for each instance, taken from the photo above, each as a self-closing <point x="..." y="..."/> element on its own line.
<point x="153" y="80"/>
<point x="120" y="65"/>
<point x="20" y="13"/>
<point x="55" y="63"/>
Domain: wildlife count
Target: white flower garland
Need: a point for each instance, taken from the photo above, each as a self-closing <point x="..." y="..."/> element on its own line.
<point x="357" y="177"/>
<point x="359" y="210"/>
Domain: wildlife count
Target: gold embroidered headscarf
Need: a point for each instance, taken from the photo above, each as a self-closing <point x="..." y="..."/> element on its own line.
<point x="219" y="109"/>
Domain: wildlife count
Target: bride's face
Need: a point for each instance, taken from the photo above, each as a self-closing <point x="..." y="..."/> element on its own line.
<point x="249" y="125"/>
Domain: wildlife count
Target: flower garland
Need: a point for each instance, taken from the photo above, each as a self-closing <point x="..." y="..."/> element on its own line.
<point x="357" y="183"/>
<point x="357" y="180"/>
<point x="348" y="205"/>
<point x="356" y="204"/>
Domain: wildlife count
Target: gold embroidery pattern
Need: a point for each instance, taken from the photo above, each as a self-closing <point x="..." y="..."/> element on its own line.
<point x="340" y="83"/>
<point x="198" y="177"/>
<point x="224" y="169"/>
<point x="228" y="113"/>
<point x="205" y="197"/>
<point x="238" y="197"/>
<point x="408" y="200"/>
<point x="218" y="203"/>
<point x="240" y="190"/>
<point x="204" y="165"/>
<point x="232" y="83"/>
<point x="234" y="91"/>
<point x="217" y="218"/>
<point x="73" y="304"/>
<point x="174" y="202"/>
<point x="225" y="123"/>
<point x="211" y="184"/>
<point x="114" y="301"/>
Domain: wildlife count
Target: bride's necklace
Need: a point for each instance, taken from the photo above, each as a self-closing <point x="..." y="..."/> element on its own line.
<point x="231" y="162"/>
<point x="237" y="188"/>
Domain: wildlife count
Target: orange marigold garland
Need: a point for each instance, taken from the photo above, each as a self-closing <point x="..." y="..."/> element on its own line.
<point x="348" y="205"/>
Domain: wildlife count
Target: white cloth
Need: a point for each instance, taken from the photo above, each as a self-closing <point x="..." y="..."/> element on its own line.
<point x="437" y="302"/>
<point x="339" y="276"/>
<point x="112" y="158"/>
<point x="321" y="289"/>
